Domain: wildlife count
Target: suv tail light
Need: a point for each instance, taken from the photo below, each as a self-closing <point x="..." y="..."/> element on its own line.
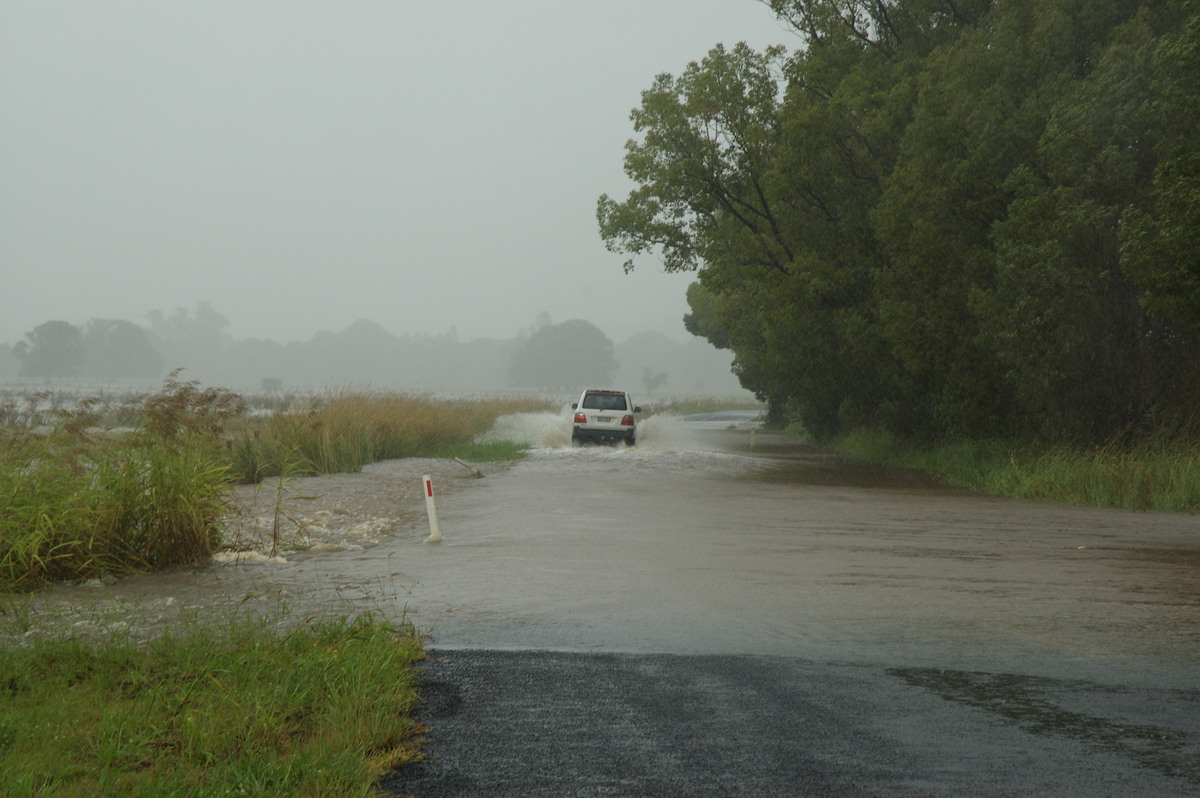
<point x="627" y="421"/>
<point x="580" y="418"/>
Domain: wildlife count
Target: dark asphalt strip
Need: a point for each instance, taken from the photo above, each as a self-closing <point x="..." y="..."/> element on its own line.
<point x="506" y="723"/>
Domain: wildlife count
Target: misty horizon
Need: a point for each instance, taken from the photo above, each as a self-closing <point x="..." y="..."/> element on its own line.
<point x="301" y="165"/>
<point x="145" y="321"/>
<point x="569" y="353"/>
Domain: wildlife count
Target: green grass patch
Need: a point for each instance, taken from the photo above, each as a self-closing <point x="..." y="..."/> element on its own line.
<point x="1161" y="475"/>
<point x="243" y="709"/>
<point x="484" y="451"/>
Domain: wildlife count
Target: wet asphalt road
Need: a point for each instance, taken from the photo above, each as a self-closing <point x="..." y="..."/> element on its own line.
<point x="565" y="724"/>
<point x="1106" y="710"/>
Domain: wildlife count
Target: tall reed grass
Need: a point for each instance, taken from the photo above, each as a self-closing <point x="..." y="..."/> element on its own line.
<point x="79" y="501"/>
<point x="1158" y="473"/>
<point x="91" y="488"/>
<point x="342" y="432"/>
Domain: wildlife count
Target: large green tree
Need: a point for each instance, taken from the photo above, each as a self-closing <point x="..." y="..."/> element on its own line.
<point x="753" y="187"/>
<point x="707" y="191"/>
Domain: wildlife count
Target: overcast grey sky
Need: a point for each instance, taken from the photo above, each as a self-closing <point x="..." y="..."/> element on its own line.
<point x="299" y="165"/>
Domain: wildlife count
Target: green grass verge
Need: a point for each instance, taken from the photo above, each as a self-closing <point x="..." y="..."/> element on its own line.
<point x="1155" y="475"/>
<point x="243" y="709"/>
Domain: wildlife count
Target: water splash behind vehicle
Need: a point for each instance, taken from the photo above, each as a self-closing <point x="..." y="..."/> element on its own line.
<point x="539" y="430"/>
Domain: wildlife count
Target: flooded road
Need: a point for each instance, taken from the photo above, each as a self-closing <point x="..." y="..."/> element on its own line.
<point x="704" y="545"/>
<point x="721" y="610"/>
<point x="711" y="537"/>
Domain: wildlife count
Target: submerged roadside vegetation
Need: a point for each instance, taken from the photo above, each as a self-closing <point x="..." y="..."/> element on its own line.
<point x="1156" y="473"/>
<point x="95" y="488"/>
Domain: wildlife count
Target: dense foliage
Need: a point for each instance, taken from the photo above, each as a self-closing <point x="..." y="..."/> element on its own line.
<point x="939" y="218"/>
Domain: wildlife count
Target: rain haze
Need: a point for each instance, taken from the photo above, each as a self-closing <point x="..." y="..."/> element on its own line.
<point x="300" y="165"/>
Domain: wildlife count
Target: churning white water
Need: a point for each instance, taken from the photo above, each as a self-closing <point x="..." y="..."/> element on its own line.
<point x="539" y="430"/>
<point x="658" y="432"/>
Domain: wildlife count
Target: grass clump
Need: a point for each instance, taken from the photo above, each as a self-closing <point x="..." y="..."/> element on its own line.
<point x="1154" y="474"/>
<point x="244" y="709"/>
<point x="77" y="500"/>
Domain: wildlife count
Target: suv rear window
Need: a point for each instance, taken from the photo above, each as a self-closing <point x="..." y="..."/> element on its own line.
<point x="600" y="401"/>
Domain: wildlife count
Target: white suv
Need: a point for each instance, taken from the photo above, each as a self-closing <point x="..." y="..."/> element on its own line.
<point x="604" y="416"/>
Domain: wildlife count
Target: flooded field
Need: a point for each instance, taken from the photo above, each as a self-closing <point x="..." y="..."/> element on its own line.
<point x="713" y="537"/>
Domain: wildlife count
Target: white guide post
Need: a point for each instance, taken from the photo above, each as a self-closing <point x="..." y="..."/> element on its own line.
<point x="435" y="534"/>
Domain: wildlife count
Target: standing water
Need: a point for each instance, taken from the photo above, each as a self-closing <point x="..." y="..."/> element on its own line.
<point x="712" y="537"/>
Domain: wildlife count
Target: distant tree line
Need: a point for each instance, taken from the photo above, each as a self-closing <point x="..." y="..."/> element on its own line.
<point x="103" y="349"/>
<point x="939" y="218"/>
<point x="549" y="357"/>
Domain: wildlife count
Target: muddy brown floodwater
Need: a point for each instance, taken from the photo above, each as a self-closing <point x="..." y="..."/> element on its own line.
<point x="704" y="539"/>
